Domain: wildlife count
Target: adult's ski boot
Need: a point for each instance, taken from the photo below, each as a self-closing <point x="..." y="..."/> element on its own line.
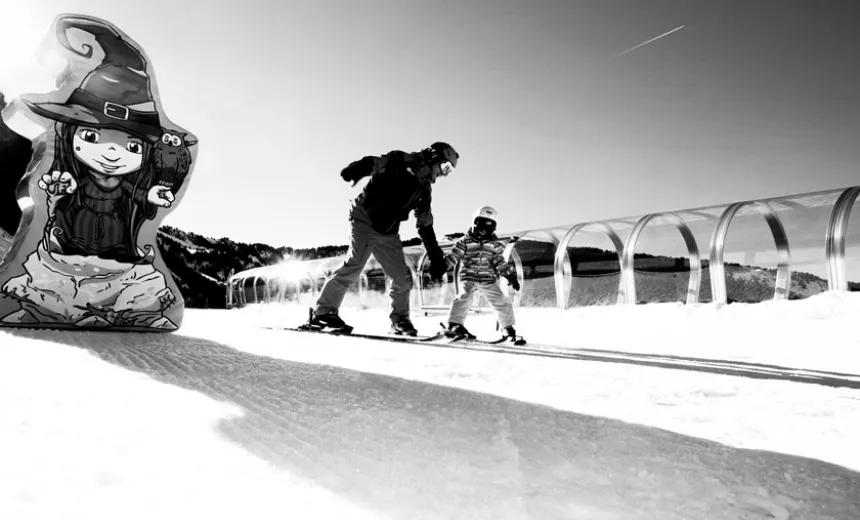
<point x="403" y="326"/>
<point x="456" y="330"/>
<point x="326" y="321"/>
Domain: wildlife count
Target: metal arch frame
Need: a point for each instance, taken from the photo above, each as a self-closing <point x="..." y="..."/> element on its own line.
<point x="311" y="284"/>
<point x="420" y="268"/>
<point x="229" y="296"/>
<point x="561" y="255"/>
<point x="243" y="298"/>
<point x="716" y="267"/>
<point x="627" y="265"/>
<point x="246" y="300"/>
<point x="834" y="242"/>
<point x="309" y="276"/>
<point x="420" y="274"/>
<point x="234" y="298"/>
<point x="283" y="293"/>
<point x="510" y="255"/>
<point x="363" y="286"/>
<point x="281" y="284"/>
<point x="243" y="293"/>
<point x="278" y="294"/>
<point x="276" y="297"/>
<point x="518" y="264"/>
<point x="256" y="298"/>
<point x="269" y="289"/>
<point x="239" y="290"/>
<point x="415" y="279"/>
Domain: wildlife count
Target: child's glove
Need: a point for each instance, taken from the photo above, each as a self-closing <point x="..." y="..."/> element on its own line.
<point x="514" y="283"/>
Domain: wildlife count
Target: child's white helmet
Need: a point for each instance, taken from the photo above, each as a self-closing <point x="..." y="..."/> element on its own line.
<point x="486" y="212"/>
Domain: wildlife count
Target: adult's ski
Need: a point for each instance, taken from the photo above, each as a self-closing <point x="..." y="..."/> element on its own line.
<point x="349" y="332"/>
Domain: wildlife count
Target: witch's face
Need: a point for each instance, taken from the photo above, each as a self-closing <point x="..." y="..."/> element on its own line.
<point x="107" y="151"/>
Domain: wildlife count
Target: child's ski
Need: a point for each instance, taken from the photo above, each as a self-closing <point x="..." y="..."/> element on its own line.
<point x="505" y="340"/>
<point x="471" y="338"/>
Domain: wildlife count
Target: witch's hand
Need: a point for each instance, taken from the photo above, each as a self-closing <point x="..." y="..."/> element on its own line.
<point x="160" y="196"/>
<point x="57" y="185"/>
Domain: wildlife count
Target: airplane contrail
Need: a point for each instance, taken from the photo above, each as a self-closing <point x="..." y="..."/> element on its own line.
<point x="649" y="41"/>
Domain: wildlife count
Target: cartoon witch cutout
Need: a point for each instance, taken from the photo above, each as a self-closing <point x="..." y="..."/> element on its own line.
<point x="114" y="167"/>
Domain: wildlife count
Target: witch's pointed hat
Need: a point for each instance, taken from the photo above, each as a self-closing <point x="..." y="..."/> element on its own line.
<point x="116" y="94"/>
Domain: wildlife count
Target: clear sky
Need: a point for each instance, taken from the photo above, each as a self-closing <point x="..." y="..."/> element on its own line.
<point x="748" y="100"/>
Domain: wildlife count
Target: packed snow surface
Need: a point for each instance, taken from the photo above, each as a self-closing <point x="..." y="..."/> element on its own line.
<point x="657" y="412"/>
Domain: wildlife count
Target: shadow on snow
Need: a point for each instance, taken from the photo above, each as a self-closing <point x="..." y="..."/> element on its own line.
<point x="408" y="449"/>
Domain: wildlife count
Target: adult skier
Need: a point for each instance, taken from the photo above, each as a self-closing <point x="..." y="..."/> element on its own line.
<point x="399" y="183"/>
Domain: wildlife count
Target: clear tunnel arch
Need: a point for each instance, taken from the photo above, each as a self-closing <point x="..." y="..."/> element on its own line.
<point x="561" y="259"/>
<point x="815" y="224"/>
<point x="718" y="243"/>
<point x="628" y="258"/>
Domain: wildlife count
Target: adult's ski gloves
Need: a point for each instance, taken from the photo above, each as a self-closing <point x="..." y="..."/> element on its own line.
<point x="438" y="267"/>
<point x="357" y="170"/>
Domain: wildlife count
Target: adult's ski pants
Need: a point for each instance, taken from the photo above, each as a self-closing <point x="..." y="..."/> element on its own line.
<point x="388" y="251"/>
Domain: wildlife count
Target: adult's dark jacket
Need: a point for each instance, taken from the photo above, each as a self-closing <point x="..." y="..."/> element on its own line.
<point x="394" y="190"/>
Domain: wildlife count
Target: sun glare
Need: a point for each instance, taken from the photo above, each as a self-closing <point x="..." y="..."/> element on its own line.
<point x="30" y="63"/>
<point x="292" y="271"/>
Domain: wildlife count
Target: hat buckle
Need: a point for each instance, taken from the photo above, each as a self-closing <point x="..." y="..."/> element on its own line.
<point x="113" y="111"/>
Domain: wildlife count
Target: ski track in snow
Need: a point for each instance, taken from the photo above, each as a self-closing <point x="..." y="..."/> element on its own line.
<point x="402" y="448"/>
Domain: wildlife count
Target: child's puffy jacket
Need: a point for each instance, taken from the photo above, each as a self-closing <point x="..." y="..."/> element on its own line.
<point x="481" y="260"/>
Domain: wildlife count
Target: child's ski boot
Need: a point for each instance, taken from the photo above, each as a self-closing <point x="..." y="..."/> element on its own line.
<point x="509" y="335"/>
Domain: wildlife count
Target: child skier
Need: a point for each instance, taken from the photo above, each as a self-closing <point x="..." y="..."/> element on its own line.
<point x="482" y="263"/>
